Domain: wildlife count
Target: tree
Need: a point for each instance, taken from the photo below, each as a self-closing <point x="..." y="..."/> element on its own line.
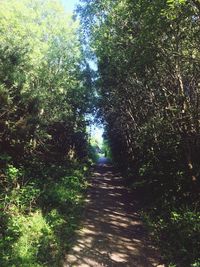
<point x="43" y="81"/>
<point x="148" y="66"/>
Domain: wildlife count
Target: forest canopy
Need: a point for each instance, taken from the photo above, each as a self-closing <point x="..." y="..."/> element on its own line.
<point x="43" y="77"/>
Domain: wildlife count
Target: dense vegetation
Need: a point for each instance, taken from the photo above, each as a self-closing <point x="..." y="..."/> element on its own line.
<point x="148" y="61"/>
<point x="45" y="92"/>
<point x="146" y="92"/>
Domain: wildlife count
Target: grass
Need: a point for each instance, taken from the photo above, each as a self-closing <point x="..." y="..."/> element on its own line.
<point x="40" y="216"/>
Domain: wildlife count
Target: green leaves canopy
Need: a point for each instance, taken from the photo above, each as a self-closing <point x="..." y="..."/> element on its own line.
<point x="42" y="73"/>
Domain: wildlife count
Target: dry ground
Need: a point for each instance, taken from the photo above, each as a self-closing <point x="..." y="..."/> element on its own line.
<point x="112" y="233"/>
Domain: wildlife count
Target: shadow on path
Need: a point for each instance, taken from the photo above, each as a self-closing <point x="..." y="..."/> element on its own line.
<point x="112" y="233"/>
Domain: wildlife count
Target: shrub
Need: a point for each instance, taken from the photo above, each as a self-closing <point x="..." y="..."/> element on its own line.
<point x="178" y="235"/>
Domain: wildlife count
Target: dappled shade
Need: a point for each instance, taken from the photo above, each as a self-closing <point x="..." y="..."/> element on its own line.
<point x="112" y="232"/>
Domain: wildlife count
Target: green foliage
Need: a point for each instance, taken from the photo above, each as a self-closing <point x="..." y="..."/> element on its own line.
<point x="35" y="232"/>
<point x="58" y="194"/>
<point x="12" y="174"/>
<point x="148" y="59"/>
<point x="44" y="82"/>
<point x="93" y="155"/>
<point x="45" y="92"/>
<point x="39" y="218"/>
<point x="106" y="149"/>
<point x="184" y="225"/>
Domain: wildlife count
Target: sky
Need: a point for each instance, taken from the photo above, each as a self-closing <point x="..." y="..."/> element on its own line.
<point x="70" y="4"/>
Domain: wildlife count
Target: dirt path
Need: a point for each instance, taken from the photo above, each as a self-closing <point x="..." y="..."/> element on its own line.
<point x="112" y="233"/>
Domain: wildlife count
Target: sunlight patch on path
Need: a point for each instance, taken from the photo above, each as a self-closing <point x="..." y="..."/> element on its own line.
<point x="112" y="233"/>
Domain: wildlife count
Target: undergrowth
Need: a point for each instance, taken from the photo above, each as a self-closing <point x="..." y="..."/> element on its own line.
<point x="39" y="212"/>
<point x="171" y="214"/>
<point x="177" y="233"/>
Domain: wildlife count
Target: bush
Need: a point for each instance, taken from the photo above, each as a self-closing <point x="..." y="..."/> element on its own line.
<point x="39" y="213"/>
<point x="178" y="235"/>
<point x="36" y="240"/>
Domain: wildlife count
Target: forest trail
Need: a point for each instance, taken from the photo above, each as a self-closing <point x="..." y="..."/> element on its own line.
<point x="112" y="232"/>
